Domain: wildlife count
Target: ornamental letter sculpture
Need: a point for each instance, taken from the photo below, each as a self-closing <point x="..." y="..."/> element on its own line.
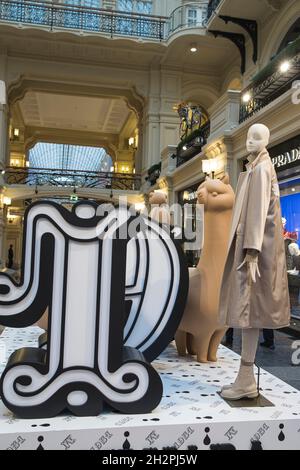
<point x="114" y="304"/>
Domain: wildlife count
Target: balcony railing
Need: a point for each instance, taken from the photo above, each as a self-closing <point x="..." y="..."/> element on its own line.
<point x="190" y="15"/>
<point x="192" y="146"/>
<point x="212" y="6"/>
<point x="265" y="90"/>
<point x="86" y="19"/>
<point x="72" y="178"/>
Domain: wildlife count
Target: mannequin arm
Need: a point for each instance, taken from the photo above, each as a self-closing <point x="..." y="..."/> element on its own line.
<point x="251" y="259"/>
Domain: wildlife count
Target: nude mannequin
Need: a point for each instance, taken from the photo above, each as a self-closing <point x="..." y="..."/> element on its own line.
<point x="256" y="222"/>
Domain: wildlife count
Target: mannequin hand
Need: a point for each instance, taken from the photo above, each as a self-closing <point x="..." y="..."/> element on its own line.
<point x="251" y="259"/>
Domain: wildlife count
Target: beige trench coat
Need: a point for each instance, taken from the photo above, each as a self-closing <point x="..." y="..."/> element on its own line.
<point x="257" y="225"/>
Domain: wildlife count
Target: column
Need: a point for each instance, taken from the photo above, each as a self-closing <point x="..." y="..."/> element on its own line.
<point x="151" y="135"/>
<point x="3" y="125"/>
<point x="169" y="119"/>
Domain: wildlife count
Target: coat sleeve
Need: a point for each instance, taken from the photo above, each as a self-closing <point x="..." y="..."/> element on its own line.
<point x="259" y="196"/>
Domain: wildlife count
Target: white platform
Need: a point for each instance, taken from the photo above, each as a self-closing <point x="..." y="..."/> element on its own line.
<point x="191" y="412"/>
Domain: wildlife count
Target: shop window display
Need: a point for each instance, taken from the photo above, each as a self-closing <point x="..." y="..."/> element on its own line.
<point x="290" y="206"/>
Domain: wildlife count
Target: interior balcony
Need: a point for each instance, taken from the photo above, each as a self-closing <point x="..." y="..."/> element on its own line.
<point x="278" y="77"/>
<point x="23" y="183"/>
<point x="84" y="20"/>
<point x="236" y="9"/>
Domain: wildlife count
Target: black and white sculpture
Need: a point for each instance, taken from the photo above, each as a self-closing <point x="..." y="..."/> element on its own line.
<point x="115" y="298"/>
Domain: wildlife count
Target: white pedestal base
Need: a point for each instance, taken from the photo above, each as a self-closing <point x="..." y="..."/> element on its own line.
<point x="191" y="412"/>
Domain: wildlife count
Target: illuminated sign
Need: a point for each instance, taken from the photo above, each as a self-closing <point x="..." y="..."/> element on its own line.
<point x="286" y="158"/>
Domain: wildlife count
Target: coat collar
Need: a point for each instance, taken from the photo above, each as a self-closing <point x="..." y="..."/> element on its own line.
<point x="263" y="155"/>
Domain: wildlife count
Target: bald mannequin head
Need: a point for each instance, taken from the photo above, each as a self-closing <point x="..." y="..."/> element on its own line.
<point x="258" y="138"/>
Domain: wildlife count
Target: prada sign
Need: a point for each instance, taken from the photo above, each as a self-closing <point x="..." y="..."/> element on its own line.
<point x="286" y="158"/>
<point x="115" y="298"/>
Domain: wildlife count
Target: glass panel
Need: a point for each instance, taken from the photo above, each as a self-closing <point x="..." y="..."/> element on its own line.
<point x="134" y="26"/>
<point x="69" y="157"/>
<point x="290" y="206"/>
<point x="125" y="5"/>
<point x="192" y="17"/>
<point x="137" y="6"/>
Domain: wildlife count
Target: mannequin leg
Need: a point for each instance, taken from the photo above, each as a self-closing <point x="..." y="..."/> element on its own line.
<point x="245" y="383"/>
<point x="249" y="344"/>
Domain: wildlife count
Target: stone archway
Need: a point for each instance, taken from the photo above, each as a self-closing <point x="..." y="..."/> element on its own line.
<point x="114" y="143"/>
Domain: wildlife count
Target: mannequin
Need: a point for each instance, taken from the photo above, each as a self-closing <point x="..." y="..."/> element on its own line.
<point x="294" y="249"/>
<point x="254" y="292"/>
<point x="199" y="331"/>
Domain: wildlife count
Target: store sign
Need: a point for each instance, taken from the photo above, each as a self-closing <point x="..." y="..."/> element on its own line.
<point x="115" y="297"/>
<point x="286" y="158"/>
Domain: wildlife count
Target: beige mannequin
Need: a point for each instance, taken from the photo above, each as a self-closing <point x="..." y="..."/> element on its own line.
<point x="254" y="291"/>
<point x="159" y="209"/>
<point x="199" y="331"/>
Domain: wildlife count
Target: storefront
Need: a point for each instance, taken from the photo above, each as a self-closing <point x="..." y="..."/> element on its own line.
<point x="286" y="160"/>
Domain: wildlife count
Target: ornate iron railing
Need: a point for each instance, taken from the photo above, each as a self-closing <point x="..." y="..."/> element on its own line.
<point x="212" y="6"/>
<point x="72" y="178"/>
<point x="193" y="147"/>
<point x="153" y="174"/>
<point x="87" y="19"/>
<point x="259" y="95"/>
<point x="190" y="15"/>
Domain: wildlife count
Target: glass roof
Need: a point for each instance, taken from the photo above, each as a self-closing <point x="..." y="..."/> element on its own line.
<point x="69" y="157"/>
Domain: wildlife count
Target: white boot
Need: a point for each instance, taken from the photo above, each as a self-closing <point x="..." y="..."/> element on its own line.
<point x="244" y="386"/>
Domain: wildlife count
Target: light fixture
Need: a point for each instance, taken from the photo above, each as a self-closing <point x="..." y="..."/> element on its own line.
<point x="11" y="217"/>
<point x="210" y="166"/>
<point x="184" y="147"/>
<point x="284" y="67"/>
<point x="205" y="167"/>
<point x="131" y="141"/>
<point x="213" y="165"/>
<point x="16" y="132"/>
<point x="6" y="201"/>
<point x="186" y="196"/>
<point x="27" y="164"/>
<point x="246" y="97"/>
<point x="293" y="189"/>
<point x="193" y="48"/>
<point x="112" y="169"/>
<point x="3" y="172"/>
